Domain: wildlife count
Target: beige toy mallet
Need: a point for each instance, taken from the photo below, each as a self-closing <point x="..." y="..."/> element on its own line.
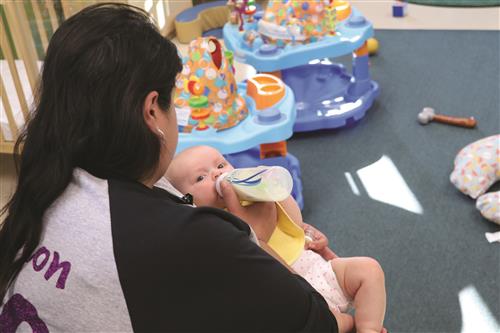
<point x="427" y="115"/>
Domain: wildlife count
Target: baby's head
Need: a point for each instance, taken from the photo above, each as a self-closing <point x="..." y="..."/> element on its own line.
<point x="195" y="171"/>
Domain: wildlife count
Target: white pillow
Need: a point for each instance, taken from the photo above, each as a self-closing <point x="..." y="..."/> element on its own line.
<point x="477" y="166"/>
<point x="488" y="204"/>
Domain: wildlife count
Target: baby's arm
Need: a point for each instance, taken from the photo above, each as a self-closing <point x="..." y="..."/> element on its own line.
<point x="292" y="209"/>
<point x="319" y="243"/>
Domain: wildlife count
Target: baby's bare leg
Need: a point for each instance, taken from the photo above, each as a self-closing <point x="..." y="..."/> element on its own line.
<point x="362" y="279"/>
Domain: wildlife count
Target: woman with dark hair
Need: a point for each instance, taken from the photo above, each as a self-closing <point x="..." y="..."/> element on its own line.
<point x="89" y="243"/>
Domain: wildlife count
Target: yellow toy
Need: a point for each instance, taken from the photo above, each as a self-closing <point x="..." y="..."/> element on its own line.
<point x="372" y="44"/>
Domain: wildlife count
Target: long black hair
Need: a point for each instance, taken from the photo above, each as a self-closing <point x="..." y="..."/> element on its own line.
<point x="100" y="65"/>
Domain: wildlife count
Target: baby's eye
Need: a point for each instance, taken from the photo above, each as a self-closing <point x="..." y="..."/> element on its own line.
<point x="200" y="178"/>
<point x="220" y="166"/>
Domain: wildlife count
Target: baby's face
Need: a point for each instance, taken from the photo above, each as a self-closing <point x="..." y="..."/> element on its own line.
<point x="195" y="171"/>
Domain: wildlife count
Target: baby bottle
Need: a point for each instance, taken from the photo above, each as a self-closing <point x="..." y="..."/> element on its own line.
<point x="262" y="183"/>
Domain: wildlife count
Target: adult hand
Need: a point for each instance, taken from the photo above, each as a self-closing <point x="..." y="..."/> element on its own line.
<point x="319" y="243"/>
<point x="261" y="216"/>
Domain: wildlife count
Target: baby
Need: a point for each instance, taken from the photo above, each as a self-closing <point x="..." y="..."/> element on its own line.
<point x="341" y="281"/>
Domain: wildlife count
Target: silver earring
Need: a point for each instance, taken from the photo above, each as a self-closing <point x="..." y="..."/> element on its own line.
<point x="162" y="135"/>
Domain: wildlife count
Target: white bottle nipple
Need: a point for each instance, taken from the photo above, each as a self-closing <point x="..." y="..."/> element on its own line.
<point x="218" y="181"/>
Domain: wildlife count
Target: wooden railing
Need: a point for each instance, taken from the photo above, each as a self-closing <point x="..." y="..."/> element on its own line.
<point x="25" y="30"/>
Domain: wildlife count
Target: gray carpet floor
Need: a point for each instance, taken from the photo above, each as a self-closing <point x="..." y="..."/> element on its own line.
<point x="428" y="258"/>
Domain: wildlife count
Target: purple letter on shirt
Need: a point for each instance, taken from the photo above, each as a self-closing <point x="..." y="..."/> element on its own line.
<point x="18" y="310"/>
<point x="54" y="266"/>
<point x="41" y="251"/>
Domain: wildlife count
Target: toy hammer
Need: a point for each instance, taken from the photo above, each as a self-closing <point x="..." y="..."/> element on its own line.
<point x="427" y="115"/>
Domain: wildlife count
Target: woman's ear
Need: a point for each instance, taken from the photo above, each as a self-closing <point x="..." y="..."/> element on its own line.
<point x="150" y="111"/>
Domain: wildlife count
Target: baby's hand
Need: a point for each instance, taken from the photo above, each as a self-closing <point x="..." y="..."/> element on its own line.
<point x="318" y="242"/>
<point x="327" y="253"/>
<point x="315" y="239"/>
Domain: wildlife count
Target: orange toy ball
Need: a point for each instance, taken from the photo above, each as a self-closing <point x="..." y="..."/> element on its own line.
<point x="372" y="45"/>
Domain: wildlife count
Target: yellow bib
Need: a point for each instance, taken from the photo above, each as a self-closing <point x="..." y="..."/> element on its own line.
<point x="288" y="239"/>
